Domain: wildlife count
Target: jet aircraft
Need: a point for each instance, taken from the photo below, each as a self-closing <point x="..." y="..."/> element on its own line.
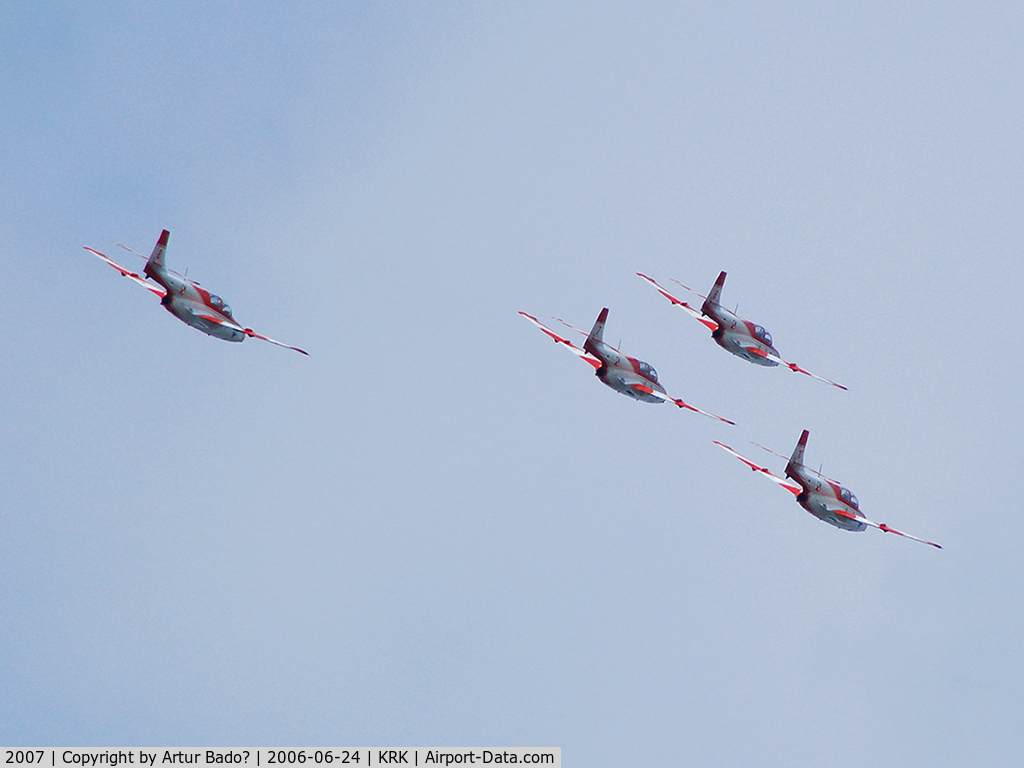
<point x="186" y="300"/>
<point x="824" y="498"/>
<point x="627" y="375"/>
<point x="732" y="333"/>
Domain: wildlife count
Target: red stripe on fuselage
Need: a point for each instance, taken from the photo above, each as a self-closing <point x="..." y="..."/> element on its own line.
<point x="823" y="487"/>
<point x="201" y="296"/>
<point x="205" y="298"/>
<point x="636" y="369"/>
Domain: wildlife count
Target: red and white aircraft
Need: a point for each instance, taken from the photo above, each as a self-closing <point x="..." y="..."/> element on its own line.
<point x="732" y="333"/>
<point x="188" y="302"/>
<point x="627" y="375"/>
<point x="824" y="498"/>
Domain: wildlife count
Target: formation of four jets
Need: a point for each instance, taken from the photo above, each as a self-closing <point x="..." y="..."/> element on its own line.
<point x="824" y="498"/>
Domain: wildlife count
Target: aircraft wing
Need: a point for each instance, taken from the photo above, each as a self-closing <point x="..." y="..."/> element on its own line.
<point x="794" y="367"/>
<point x="248" y="332"/>
<point x="252" y="334"/>
<point x="675" y="400"/>
<point x="696" y="313"/>
<point x="796" y="490"/>
<point x="881" y="526"/>
<point x="152" y="287"/>
<point x="584" y="356"/>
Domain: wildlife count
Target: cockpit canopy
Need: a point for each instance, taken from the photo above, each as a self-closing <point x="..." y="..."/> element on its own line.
<point x="646" y="369"/>
<point x="762" y="334"/>
<point x="849" y="498"/>
<point x="218" y="303"/>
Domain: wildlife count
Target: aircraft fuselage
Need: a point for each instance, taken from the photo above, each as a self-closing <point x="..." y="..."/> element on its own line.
<point x="740" y="337"/>
<point x="625" y="374"/>
<point x="193" y="304"/>
<point x="821" y="497"/>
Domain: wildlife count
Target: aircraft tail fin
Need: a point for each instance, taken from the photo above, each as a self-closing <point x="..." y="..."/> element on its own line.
<point x="596" y="337"/>
<point x="797" y="459"/>
<point x="715" y="294"/>
<point x="597" y="332"/>
<point x="156" y="259"/>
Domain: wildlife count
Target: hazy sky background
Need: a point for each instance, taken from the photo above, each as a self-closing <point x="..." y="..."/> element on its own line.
<point x="440" y="529"/>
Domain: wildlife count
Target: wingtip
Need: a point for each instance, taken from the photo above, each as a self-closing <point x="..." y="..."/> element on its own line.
<point x="887" y="529"/>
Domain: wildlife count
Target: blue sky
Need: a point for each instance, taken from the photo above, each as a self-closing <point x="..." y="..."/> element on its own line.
<point x="439" y="528"/>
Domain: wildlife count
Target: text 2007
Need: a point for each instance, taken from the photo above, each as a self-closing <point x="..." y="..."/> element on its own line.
<point x="23" y="756"/>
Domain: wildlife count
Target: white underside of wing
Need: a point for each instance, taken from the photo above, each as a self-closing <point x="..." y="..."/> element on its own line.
<point x="888" y="529"/>
<point x="798" y="369"/>
<point x="563" y="342"/>
<point x="247" y="331"/>
<point x="693" y="311"/>
<point x="151" y="287"/>
<point x="796" y="490"/>
<point x="675" y="400"/>
<point x="252" y="334"/>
